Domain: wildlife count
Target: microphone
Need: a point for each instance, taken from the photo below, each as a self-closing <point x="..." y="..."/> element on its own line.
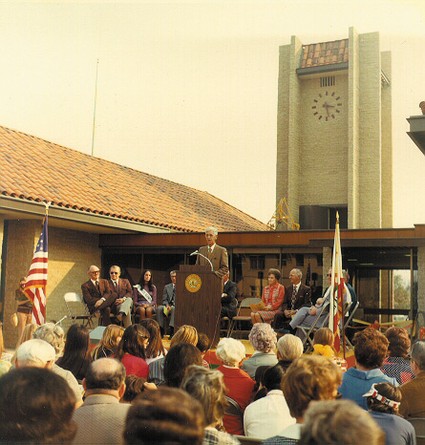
<point x="61" y="320"/>
<point x="203" y="256"/>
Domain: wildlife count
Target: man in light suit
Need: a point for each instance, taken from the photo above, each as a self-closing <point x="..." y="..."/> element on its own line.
<point x="228" y="297"/>
<point x="97" y="295"/>
<point x="215" y="253"/>
<point x="168" y="304"/>
<point x="122" y="293"/>
<point x="101" y="418"/>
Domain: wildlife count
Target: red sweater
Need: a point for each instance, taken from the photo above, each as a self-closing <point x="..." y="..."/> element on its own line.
<point x="239" y="387"/>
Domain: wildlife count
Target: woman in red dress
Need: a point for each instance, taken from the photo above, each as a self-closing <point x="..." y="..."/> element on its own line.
<point x="272" y="297"/>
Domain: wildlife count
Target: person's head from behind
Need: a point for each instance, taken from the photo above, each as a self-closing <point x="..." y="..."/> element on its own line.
<point x="77" y="339"/>
<point x="418" y="356"/>
<point x="263" y="337"/>
<point x="370" y="348"/>
<point x="399" y="342"/>
<point x="272" y="377"/>
<point x="207" y="386"/>
<point x="105" y="375"/>
<point x="53" y="334"/>
<point x="289" y="348"/>
<point x="185" y="334"/>
<point x="384" y="398"/>
<point x="310" y="377"/>
<point x="339" y="422"/>
<point x="134" y="341"/>
<point x="36" y="407"/>
<point x="204" y="343"/>
<point x="165" y="416"/>
<point x="111" y="336"/>
<point x="155" y="346"/>
<point x="323" y="336"/>
<point x="35" y="353"/>
<point x="230" y="351"/>
<point x="133" y="387"/>
<point x="178" y="359"/>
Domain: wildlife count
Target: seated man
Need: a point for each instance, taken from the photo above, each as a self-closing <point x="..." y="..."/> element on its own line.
<point x="166" y="309"/>
<point x="122" y="293"/>
<point x="229" y="303"/>
<point x="97" y="295"/>
<point x="306" y="316"/>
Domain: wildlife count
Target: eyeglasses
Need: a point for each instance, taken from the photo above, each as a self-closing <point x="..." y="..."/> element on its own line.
<point x="329" y="275"/>
<point x="113" y="273"/>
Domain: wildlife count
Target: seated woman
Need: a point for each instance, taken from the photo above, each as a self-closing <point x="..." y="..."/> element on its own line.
<point x="289" y="348"/>
<point x="310" y="377"/>
<point x="263" y="339"/>
<point x="370" y="349"/>
<point x="383" y="401"/>
<point x="397" y="365"/>
<point x="239" y="384"/>
<point x="208" y="388"/>
<point x="145" y="297"/>
<point x="76" y="357"/>
<point x="267" y="416"/>
<point x="185" y="334"/>
<point x="131" y="351"/>
<point x="272" y="298"/>
<point x="178" y="359"/>
<point x="155" y="349"/>
<point x="108" y="345"/>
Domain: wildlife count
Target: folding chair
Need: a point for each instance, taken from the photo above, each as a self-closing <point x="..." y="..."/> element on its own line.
<point x="75" y="301"/>
<point x="309" y="330"/>
<point x="347" y="322"/>
<point x="243" y="314"/>
<point x="419" y="425"/>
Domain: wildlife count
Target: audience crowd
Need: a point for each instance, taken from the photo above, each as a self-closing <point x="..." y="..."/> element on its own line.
<point x="133" y="388"/>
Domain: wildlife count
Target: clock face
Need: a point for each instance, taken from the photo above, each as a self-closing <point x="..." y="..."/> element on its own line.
<point x="327" y="105"/>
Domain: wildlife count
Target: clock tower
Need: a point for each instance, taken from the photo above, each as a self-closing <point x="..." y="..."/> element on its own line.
<point x="334" y="145"/>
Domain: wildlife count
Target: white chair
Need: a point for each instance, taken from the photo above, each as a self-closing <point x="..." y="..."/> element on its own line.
<point x="77" y="309"/>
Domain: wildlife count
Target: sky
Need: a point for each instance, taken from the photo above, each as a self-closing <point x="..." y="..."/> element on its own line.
<point x="187" y="91"/>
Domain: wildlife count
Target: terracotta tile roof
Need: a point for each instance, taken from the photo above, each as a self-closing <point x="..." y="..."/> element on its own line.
<point x="325" y="53"/>
<point x="37" y="170"/>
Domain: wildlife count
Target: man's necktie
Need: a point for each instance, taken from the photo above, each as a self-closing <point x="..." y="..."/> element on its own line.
<point x="97" y="286"/>
<point x="294" y="296"/>
<point x="173" y="298"/>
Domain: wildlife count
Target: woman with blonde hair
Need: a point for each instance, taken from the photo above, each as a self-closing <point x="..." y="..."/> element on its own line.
<point x="207" y="386"/>
<point x="185" y="334"/>
<point x="107" y="347"/>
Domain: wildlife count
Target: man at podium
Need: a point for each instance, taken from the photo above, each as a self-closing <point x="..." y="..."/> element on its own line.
<point x="213" y="254"/>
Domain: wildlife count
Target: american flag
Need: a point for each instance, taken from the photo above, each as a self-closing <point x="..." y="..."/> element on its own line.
<point x="337" y="288"/>
<point x="35" y="287"/>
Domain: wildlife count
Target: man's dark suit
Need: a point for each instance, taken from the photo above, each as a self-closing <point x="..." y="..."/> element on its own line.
<point x="302" y="298"/>
<point x="122" y="290"/>
<point x="218" y="258"/>
<point x="229" y="302"/>
<point x="91" y="295"/>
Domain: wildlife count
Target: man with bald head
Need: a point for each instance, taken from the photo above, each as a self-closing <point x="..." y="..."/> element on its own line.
<point x="97" y="295"/>
<point x="101" y="418"/>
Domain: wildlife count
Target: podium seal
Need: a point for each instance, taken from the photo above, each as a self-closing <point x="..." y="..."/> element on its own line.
<point x="193" y="283"/>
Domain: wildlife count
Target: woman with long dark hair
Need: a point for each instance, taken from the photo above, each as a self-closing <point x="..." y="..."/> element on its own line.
<point x="132" y="350"/>
<point x="76" y="357"/>
<point x="155" y="349"/>
<point x="145" y="297"/>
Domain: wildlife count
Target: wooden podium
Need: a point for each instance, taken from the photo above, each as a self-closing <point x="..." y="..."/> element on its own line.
<point x="198" y="300"/>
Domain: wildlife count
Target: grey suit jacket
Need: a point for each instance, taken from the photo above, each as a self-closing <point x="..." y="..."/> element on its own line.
<point x="100" y="420"/>
<point x="167" y="295"/>
<point x="218" y="258"/>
